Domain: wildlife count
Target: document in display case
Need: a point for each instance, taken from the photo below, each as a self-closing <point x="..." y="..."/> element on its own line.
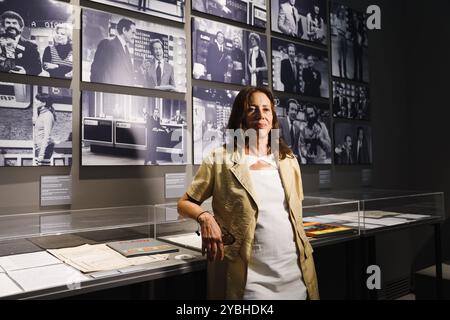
<point x="40" y="257"/>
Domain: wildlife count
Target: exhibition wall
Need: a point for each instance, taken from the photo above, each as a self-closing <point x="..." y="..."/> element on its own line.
<point x="101" y="186"/>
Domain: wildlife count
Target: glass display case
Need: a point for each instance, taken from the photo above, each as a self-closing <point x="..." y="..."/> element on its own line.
<point x="323" y="223"/>
<point x="64" y="253"/>
<point x="317" y="220"/>
<point x="383" y="210"/>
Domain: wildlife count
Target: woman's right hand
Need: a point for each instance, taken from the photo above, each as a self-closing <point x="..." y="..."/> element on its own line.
<point x="212" y="243"/>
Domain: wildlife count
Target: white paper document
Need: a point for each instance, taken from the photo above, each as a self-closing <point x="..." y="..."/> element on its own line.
<point x="27" y="260"/>
<point x="48" y="277"/>
<point x="365" y="226"/>
<point x="190" y="240"/>
<point x="340" y="217"/>
<point x="385" y="221"/>
<point x="319" y="219"/>
<point x="1" y="270"/>
<point x="100" y="257"/>
<point x="7" y="286"/>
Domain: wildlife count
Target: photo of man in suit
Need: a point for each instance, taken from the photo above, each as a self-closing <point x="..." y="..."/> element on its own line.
<point x="158" y="73"/>
<point x="27" y="59"/>
<point x="216" y="64"/>
<point x="340" y="102"/>
<point x="154" y="130"/>
<point x="178" y="118"/>
<point x="361" y="148"/>
<point x="344" y="152"/>
<point x="289" y="20"/>
<point x="290" y="126"/>
<point x="289" y="71"/>
<point x="312" y="78"/>
<point x="113" y="62"/>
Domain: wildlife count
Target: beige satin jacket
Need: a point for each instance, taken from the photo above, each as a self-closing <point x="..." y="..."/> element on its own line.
<point x="226" y="177"/>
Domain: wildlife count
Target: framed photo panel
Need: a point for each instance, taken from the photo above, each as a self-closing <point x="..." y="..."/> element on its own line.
<point x="211" y="111"/>
<point x="349" y="43"/>
<point x="126" y="130"/>
<point x="124" y="51"/>
<point x="353" y="143"/>
<point x="351" y="101"/>
<point x="228" y="54"/>
<point x="305" y="127"/>
<point x="251" y="12"/>
<point x="167" y="9"/>
<point x="35" y="125"/>
<point x="301" y="19"/>
<point x="36" y="38"/>
<point x="299" y="69"/>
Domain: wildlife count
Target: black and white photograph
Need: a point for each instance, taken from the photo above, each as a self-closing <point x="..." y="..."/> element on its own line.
<point x="36" y="38"/>
<point x="353" y="143"/>
<point x="167" y="9"/>
<point x="251" y="12"/>
<point x="126" y="130"/>
<point x="349" y="43"/>
<point x="129" y="52"/>
<point x="211" y="111"/>
<point x="299" y="69"/>
<point x="301" y="19"/>
<point x="228" y="54"/>
<point x="305" y="127"/>
<point x="35" y="125"/>
<point x="351" y="101"/>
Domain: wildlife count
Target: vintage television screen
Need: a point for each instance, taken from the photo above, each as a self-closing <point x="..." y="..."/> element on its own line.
<point x="98" y="130"/>
<point x="131" y="135"/>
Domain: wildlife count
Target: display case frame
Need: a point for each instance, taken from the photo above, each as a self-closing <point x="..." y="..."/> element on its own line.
<point x="25" y="239"/>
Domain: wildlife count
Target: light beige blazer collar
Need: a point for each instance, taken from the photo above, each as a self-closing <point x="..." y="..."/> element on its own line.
<point x="241" y="171"/>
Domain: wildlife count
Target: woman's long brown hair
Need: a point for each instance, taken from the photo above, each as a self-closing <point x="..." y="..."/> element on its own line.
<point x="239" y="112"/>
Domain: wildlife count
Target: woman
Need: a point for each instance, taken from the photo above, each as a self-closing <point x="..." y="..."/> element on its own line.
<point x="315" y="25"/>
<point x="57" y="59"/>
<point x="43" y="143"/>
<point x="238" y="57"/>
<point x="341" y="27"/>
<point x="255" y="240"/>
<point x="257" y="62"/>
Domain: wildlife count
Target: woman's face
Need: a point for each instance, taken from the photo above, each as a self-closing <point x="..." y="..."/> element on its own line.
<point x="259" y="114"/>
<point x="61" y="36"/>
<point x="253" y="41"/>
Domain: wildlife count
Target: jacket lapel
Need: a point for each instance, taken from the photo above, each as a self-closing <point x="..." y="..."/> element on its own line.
<point x="242" y="173"/>
<point x="287" y="177"/>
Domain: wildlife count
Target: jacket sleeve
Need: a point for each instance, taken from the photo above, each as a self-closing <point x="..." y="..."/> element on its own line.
<point x="98" y="64"/>
<point x="202" y="186"/>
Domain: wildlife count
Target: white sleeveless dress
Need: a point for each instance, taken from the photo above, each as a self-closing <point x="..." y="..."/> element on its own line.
<point x="273" y="270"/>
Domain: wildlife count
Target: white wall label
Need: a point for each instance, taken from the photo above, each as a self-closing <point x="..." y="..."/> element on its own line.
<point x="175" y="184"/>
<point x="56" y="190"/>
<point x="324" y="179"/>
